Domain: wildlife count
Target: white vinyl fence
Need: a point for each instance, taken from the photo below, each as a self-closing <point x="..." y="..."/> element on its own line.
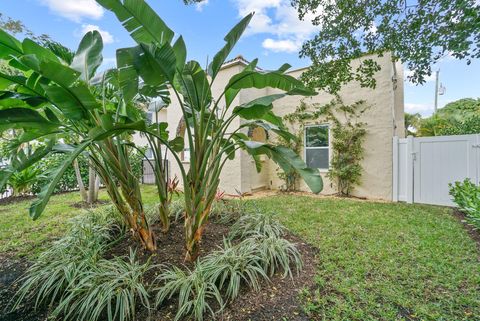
<point x="423" y="167"/>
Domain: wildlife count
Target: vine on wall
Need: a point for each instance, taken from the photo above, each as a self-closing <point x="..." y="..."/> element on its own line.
<point x="347" y="137"/>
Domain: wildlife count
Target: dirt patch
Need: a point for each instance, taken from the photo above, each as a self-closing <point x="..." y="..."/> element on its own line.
<point x="15" y="199"/>
<point x="277" y="299"/>
<point x="85" y="205"/>
<point x="471" y="230"/>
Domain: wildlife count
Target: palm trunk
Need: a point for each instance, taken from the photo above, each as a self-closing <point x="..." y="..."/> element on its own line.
<point x="194" y="227"/>
<point x="164" y="213"/>
<point x="80" y="184"/>
<point x="97" y="187"/>
<point x="91" y="185"/>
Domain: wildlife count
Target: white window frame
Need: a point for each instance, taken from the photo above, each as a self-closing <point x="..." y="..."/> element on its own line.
<point x="323" y="147"/>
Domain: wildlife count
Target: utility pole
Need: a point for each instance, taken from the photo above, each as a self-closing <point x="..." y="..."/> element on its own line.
<point x="436" y="92"/>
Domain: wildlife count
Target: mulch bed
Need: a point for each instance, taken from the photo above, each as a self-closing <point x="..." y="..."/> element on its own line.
<point x="85" y="205"/>
<point x="471" y="230"/>
<point x="277" y="299"/>
<point x="10" y="270"/>
<point x="15" y="199"/>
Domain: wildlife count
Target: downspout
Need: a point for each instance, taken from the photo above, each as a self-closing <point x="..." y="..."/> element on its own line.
<point x="394" y="87"/>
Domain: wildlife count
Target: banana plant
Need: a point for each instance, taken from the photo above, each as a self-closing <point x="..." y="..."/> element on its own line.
<point x="52" y="101"/>
<point x="210" y="131"/>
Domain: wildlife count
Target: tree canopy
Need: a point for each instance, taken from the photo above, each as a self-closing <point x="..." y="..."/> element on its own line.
<point x="418" y="33"/>
<point x="460" y="117"/>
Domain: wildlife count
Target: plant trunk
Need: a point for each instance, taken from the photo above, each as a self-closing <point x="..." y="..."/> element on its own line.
<point x="91" y="185"/>
<point x="193" y="233"/>
<point x="97" y="186"/>
<point x="81" y="186"/>
<point x="164" y="214"/>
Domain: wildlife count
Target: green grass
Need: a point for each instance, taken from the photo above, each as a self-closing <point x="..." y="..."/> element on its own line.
<point x="384" y="261"/>
<point x="21" y="236"/>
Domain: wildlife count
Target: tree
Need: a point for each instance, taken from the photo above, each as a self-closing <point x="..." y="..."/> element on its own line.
<point x="412" y="122"/>
<point x="460" y="117"/>
<point x="15" y="27"/>
<point x="461" y="109"/>
<point x="211" y="133"/>
<point x="52" y="101"/>
<point x="417" y="33"/>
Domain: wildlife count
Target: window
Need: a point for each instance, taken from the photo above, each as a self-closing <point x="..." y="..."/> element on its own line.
<point x="317" y="154"/>
<point x="149" y="153"/>
<point x="149" y="118"/>
<point x="186" y="155"/>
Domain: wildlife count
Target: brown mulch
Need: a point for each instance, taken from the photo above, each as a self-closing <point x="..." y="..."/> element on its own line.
<point x="15" y="199"/>
<point x="10" y="270"/>
<point x="277" y="299"/>
<point x="471" y="230"/>
<point x="85" y="205"/>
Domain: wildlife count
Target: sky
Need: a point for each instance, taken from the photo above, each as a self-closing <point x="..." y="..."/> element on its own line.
<point x="274" y="36"/>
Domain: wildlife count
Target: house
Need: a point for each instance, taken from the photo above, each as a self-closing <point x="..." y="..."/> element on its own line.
<point x="384" y="119"/>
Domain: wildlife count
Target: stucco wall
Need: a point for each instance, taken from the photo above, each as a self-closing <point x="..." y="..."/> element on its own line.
<point x="380" y="117"/>
<point x="384" y="119"/>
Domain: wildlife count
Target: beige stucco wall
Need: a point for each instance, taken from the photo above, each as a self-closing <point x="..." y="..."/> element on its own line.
<point x="385" y="113"/>
<point x="384" y="119"/>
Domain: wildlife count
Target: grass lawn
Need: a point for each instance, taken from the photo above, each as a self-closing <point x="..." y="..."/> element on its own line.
<point x="384" y="261"/>
<point x="377" y="261"/>
<point x="20" y="236"/>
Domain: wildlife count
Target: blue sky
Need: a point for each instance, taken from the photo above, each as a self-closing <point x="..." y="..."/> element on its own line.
<point x="274" y="36"/>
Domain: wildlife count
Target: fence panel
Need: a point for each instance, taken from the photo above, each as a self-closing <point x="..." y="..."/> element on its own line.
<point x="424" y="166"/>
<point x="148" y="175"/>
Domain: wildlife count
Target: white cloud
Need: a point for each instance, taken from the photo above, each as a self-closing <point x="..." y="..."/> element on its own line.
<point x="75" y="10"/>
<point x="279" y="20"/>
<point x="106" y="36"/>
<point x="281" y="45"/>
<point x="423" y="109"/>
<point x="200" y="5"/>
<point x="107" y="63"/>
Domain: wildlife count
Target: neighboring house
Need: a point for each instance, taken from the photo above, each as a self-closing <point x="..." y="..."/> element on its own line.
<point x="385" y="119"/>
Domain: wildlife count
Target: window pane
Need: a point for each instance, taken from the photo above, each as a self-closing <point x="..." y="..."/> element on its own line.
<point x="149" y="118"/>
<point x="316" y="136"/>
<point x="317" y="158"/>
<point x="149" y="153"/>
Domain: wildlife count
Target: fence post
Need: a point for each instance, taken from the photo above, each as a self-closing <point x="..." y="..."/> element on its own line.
<point x="477" y="159"/>
<point x="409" y="171"/>
<point x="395" y="169"/>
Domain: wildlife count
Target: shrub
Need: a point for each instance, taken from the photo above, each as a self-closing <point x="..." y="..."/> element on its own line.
<point x="467" y="196"/>
<point x="234" y="264"/>
<point x="255" y="224"/>
<point x="194" y="289"/>
<point x="22" y="182"/>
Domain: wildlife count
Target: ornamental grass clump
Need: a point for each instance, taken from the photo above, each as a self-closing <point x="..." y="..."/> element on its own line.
<point x="110" y="289"/>
<point x="277" y="254"/>
<point x="56" y="269"/>
<point x="254" y="224"/>
<point x="193" y="288"/>
<point x="73" y="277"/>
<point x="233" y="265"/>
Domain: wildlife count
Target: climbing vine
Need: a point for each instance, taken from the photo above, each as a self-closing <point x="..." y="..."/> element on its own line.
<point x="347" y="137"/>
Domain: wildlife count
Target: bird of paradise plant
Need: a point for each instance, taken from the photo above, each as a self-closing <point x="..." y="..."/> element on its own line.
<point x="211" y="132"/>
